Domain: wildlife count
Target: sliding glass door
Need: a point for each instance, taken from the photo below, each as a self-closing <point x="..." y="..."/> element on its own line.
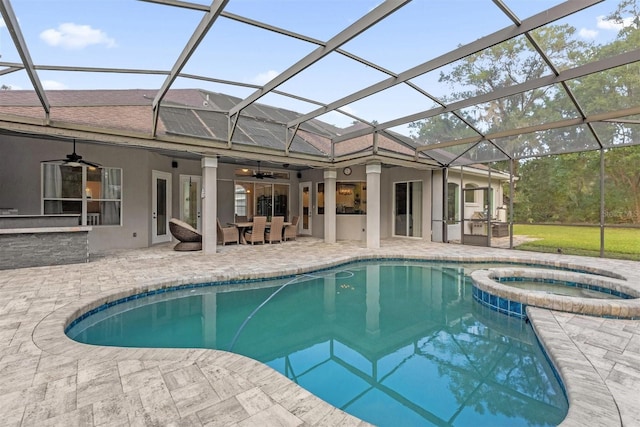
<point x="407" y="211"/>
<point x="261" y="199"/>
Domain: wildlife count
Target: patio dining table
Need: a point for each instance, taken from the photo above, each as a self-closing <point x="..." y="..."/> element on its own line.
<point x="245" y="225"/>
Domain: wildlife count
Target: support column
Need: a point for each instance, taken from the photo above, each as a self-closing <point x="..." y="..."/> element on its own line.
<point x="209" y="204"/>
<point x="373" y="205"/>
<point x="602" y="206"/>
<point x="330" y="176"/>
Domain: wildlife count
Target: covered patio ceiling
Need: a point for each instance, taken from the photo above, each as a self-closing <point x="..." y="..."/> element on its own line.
<point x="399" y="81"/>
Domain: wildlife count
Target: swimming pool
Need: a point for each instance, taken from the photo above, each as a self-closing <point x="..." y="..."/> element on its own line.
<point x="385" y="341"/>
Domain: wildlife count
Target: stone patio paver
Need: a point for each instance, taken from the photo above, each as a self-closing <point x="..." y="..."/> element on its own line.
<point x="50" y="380"/>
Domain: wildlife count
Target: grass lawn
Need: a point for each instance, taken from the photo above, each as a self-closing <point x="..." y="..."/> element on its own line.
<point x="622" y="243"/>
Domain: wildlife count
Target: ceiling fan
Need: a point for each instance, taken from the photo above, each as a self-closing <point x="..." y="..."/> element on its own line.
<point x="262" y="175"/>
<point x="73" y="159"/>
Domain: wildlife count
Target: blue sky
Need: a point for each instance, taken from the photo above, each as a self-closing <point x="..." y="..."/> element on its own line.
<point x="139" y="35"/>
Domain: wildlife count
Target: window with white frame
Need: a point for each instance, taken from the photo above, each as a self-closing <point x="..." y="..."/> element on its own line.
<point x="470" y="194"/>
<point x="351" y="197"/>
<point x="91" y="192"/>
<point x="241" y="200"/>
<point x="453" y="205"/>
<point x="261" y="199"/>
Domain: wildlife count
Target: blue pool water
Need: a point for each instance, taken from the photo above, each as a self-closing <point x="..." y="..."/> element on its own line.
<point x="391" y="342"/>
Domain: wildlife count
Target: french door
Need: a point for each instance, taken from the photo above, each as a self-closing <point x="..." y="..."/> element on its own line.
<point x="304" y="225"/>
<point x="160" y="206"/>
<point x="190" y="201"/>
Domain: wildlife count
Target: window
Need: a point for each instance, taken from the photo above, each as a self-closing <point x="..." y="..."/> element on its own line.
<point x="261" y="199"/>
<point x="241" y="201"/>
<point x="453" y="205"/>
<point x="93" y="193"/>
<point x="351" y="198"/>
<point x="320" y="201"/>
<point x="470" y="193"/>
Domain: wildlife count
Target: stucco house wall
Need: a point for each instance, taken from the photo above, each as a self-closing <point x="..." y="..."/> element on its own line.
<point x="20" y="188"/>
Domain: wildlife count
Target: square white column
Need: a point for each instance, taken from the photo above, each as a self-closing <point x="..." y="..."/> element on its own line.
<point x="373" y="205"/>
<point x="330" y="177"/>
<point x="209" y="204"/>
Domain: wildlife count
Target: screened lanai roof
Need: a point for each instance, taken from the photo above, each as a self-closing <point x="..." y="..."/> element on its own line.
<point x="433" y="83"/>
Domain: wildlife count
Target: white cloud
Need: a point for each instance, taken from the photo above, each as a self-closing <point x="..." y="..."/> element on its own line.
<point x="53" y="85"/>
<point x="73" y="36"/>
<point x="588" y="34"/>
<point x="264" y="78"/>
<point x="607" y="24"/>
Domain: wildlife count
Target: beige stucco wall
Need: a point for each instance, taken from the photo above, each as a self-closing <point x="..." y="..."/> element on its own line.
<point x="20" y="188"/>
<point x="20" y="184"/>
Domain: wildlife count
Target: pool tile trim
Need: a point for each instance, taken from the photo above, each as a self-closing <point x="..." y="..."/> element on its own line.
<point x="490" y="287"/>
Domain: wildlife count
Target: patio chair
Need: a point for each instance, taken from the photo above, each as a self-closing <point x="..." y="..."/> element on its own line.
<point x="227" y="234"/>
<point x="256" y="233"/>
<point x="189" y="239"/>
<point x="291" y="231"/>
<point x="274" y="233"/>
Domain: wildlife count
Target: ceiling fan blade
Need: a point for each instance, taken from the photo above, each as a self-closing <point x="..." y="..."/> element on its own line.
<point x="73" y="160"/>
<point x="54" y="161"/>
<point x="92" y="164"/>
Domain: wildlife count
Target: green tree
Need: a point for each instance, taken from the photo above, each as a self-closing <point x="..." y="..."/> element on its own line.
<point x="622" y="190"/>
<point x="509" y="63"/>
<point x="564" y="188"/>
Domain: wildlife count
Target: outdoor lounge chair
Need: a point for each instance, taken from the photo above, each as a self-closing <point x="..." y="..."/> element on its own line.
<point x="291" y="231"/>
<point x="274" y="233"/>
<point x="189" y="239"/>
<point x="256" y="234"/>
<point x="227" y="234"/>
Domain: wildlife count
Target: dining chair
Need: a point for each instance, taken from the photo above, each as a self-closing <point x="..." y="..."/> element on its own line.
<point x="227" y="234"/>
<point x="291" y="230"/>
<point x="274" y="233"/>
<point x="256" y="233"/>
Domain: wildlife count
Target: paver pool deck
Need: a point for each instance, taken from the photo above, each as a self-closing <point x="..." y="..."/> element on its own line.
<point x="46" y="379"/>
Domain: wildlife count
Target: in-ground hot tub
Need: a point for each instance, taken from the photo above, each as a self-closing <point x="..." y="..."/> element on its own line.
<point x="594" y="295"/>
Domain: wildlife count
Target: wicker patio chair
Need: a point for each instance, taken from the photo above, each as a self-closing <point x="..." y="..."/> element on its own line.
<point x="274" y="233"/>
<point x="256" y="234"/>
<point x="241" y="218"/>
<point x="189" y="239"/>
<point x="291" y="231"/>
<point x="227" y="234"/>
